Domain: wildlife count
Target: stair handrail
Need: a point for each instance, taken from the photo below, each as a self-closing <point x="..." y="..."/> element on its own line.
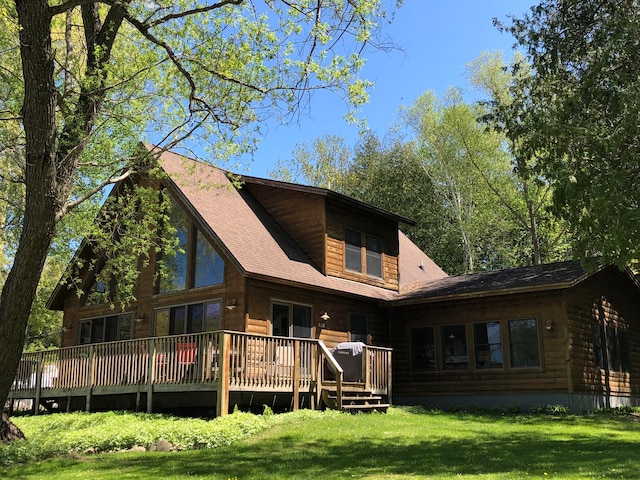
<point x="337" y="370"/>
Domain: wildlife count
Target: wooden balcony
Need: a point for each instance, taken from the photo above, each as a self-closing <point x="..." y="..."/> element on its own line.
<point x="223" y="362"/>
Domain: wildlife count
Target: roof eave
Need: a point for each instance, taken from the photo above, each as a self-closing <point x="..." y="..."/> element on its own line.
<point x="329" y="194"/>
<point x="481" y="294"/>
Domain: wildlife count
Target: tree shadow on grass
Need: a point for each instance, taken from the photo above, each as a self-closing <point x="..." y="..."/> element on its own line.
<point x="286" y="456"/>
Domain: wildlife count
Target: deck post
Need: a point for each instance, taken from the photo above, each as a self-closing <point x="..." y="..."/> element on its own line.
<point x="36" y="401"/>
<point x="151" y="366"/>
<point x="87" y="405"/>
<point x="366" y="364"/>
<point x="222" y="400"/>
<point x="296" y="375"/>
<point x="316" y="378"/>
<point x="389" y="382"/>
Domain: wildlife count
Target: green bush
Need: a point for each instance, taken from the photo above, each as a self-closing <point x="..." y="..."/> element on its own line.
<point x="513" y="410"/>
<point x="549" y="410"/>
<point x="60" y="434"/>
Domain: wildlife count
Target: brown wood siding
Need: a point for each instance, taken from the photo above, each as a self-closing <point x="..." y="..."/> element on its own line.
<point x="337" y="220"/>
<point x="262" y="294"/>
<point x="232" y="291"/>
<point x="603" y="298"/>
<point x="301" y="215"/>
<point x="550" y="377"/>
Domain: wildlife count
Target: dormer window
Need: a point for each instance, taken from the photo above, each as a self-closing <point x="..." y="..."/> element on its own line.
<point x="360" y="246"/>
<point x="352" y="250"/>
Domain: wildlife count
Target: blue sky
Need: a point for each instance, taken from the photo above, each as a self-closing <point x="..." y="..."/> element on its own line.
<point x="438" y="38"/>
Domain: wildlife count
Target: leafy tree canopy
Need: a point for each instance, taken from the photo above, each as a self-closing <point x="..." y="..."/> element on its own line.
<point x="577" y="113"/>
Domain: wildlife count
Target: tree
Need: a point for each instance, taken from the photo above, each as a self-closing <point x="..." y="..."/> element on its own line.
<point x="462" y="159"/>
<point x="385" y="173"/>
<point x="83" y="81"/>
<point x="577" y="114"/>
<point x="325" y="163"/>
<point x="530" y="206"/>
<point x="388" y="173"/>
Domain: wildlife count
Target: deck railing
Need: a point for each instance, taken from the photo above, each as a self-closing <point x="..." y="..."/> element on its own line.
<point x="224" y="361"/>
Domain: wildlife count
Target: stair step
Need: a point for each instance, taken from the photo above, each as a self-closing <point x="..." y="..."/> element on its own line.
<point x="356" y="398"/>
<point x="376" y="406"/>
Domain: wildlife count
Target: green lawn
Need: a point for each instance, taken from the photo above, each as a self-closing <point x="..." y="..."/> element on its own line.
<point x="405" y="443"/>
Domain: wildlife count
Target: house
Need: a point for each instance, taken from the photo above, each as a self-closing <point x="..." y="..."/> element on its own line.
<point x="541" y="335"/>
<point x="271" y="276"/>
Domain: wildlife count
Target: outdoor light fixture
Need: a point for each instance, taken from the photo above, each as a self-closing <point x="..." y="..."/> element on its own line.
<point x="66" y="328"/>
<point x="231" y="305"/>
<point x="324" y="317"/>
<point x="549" y="325"/>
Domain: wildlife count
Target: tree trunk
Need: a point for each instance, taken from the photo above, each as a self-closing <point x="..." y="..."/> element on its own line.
<point x="42" y="185"/>
<point x="8" y="431"/>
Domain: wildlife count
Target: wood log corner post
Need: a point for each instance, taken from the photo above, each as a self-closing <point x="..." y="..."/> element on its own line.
<point x="222" y="401"/>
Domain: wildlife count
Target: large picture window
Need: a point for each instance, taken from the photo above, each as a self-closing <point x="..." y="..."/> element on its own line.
<point x="174" y="276"/>
<point x="423" y="349"/>
<point x="454" y="347"/>
<point x="190" y="318"/>
<point x="523" y="343"/>
<point x="209" y="266"/>
<point x="195" y="263"/>
<point x="106" y="329"/>
<point x="488" y="345"/>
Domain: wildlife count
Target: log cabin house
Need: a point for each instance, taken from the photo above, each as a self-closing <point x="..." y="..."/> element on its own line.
<point x="295" y="296"/>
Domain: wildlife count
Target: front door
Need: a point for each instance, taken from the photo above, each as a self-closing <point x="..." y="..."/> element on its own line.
<point x="291" y="320"/>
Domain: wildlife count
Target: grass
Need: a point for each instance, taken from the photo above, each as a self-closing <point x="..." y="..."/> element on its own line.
<point x="405" y="443"/>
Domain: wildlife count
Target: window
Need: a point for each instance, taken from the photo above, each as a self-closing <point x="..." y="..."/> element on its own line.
<point x="358" y="327"/>
<point x="195" y="263"/>
<point x="454" y="347"/>
<point x="209" y="266"/>
<point x="353" y="250"/>
<point x="423" y="349"/>
<point x="291" y="320"/>
<point x="106" y="329"/>
<point x="353" y="253"/>
<point x="488" y="345"/>
<point x="523" y="343"/>
<point x="374" y="256"/>
<point x="175" y="266"/>
<point x="611" y="347"/>
<point x="191" y="318"/>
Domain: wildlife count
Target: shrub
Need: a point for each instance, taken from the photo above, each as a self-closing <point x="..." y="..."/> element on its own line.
<point x="549" y="410"/>
<point x="513" y="410"/>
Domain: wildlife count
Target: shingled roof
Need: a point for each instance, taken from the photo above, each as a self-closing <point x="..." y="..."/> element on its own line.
<point x="258" y="245"/>
<point x="524" y="279"/>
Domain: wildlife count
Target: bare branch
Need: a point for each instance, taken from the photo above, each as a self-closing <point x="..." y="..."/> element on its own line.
<point x="71" y="4"/>
<point x="109" y="181"/>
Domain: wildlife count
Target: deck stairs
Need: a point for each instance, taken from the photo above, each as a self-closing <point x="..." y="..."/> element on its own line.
<point x="355" y="398"/>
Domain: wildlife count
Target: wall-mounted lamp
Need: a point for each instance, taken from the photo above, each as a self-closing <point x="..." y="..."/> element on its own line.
<point x="140" y="318"/>
<point x="324" y="317"/>
<point x="66" y="328"/>
<point x="549" y="325"/>
<point x="231" y="305"/>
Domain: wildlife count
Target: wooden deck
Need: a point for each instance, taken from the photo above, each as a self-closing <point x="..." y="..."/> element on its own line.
<point x="223" y="362"/>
